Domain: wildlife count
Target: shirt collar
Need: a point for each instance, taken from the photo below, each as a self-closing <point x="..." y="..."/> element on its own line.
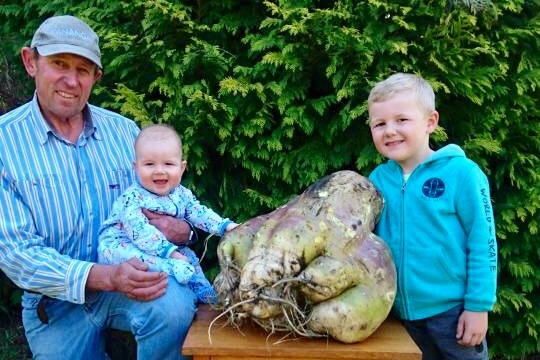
<point x="43" y="129"/>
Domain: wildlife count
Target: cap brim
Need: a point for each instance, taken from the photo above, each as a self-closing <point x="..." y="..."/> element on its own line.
<point x="53" y="49"/>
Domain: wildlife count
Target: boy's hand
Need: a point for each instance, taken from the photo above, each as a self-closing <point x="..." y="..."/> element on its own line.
<point x="472" y="328"/>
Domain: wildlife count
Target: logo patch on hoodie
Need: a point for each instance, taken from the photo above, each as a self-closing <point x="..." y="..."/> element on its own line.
<point x="433" y="187"/>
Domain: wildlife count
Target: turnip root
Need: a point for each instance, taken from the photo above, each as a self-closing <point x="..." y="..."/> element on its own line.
<point x="326" y="277"/>
<point x="312" y="266"/>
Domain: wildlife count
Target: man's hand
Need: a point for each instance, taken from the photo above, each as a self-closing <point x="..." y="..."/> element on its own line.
<point x="130" y="278"/>
<point x="472" y="328"/>
<point x="175" y="230"/>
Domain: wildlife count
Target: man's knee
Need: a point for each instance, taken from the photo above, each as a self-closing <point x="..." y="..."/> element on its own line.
<point x="174" y="309"/>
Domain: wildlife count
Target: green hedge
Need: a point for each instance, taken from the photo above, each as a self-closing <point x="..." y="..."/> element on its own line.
<point x="271" y="95"/>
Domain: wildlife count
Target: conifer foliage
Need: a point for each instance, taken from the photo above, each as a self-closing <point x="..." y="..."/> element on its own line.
<point x="271" y="95"/>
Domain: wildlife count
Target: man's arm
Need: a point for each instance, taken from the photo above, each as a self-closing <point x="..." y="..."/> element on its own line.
<point x="24" y="252"/>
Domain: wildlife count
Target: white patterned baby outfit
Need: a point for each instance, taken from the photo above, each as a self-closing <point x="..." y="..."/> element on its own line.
<point x="127" y="233"/>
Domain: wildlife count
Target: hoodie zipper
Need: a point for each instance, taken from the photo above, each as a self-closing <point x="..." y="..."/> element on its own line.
<point x="406" y="309"/>
<point x="402" y="239"/>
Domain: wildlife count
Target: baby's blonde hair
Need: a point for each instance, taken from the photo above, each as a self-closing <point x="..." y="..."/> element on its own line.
<point x="157" y="132"/>
<point x="403" y="82"/>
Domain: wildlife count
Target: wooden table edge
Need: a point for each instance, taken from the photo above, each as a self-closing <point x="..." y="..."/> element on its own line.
<point x="200" y="349"/>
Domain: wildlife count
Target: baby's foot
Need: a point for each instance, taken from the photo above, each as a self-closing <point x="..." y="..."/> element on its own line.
<point x="202" y="288"/>
<point x="182" y="271"/>
<point x="208" y="297"/>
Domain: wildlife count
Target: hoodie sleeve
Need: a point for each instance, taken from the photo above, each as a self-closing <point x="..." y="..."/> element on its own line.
<point x="476" y="214"/>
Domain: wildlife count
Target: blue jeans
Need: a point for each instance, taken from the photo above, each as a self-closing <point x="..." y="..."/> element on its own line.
<point x="436" y="337"/>
<point x="75" y="331"/>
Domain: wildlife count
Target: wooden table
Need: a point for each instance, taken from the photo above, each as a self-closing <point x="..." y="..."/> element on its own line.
<point x="390" y="341"/>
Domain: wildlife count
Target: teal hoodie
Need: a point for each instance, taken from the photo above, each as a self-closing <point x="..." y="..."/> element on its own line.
<point x="440" y="228"/>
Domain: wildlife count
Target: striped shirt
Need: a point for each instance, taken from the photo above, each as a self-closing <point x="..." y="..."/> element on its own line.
<point x="54" y="195"/>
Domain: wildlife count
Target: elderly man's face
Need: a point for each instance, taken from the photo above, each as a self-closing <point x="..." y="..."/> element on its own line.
<point x="63" y="83"/>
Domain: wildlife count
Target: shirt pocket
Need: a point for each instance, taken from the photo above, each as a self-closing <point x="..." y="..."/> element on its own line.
<point x="115" y="182"/>
<point x="119" y="180"/>
<point x="47" y="198"/>
<point x="42" y="194"/>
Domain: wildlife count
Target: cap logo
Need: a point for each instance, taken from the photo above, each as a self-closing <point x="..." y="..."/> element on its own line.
<point x="73" y="34"/>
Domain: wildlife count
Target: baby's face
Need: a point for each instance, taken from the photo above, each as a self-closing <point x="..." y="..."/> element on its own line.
<point x="159" y="165"/>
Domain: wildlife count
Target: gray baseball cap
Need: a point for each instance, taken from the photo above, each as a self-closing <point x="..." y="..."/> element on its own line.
<point x="67" y="34"/>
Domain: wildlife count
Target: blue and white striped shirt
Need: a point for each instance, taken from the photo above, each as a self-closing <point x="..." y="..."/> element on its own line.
<point x="54" y="195"/>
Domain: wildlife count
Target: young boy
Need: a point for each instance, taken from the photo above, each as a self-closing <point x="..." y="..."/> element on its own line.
<point x="159" y="168"/>
<point x="438" y="222"/>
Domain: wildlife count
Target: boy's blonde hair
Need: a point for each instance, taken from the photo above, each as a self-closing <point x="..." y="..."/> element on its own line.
<point x="403" y="82"/>
<point x="157" y="132"/>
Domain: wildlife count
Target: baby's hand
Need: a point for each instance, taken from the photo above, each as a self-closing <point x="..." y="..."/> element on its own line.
<point x="178" y="256"/>
<point x="231" y="226"/>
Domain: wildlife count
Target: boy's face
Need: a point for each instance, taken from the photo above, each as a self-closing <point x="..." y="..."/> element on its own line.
<point x="159" y="165"/>
<point x="400" y="129"/>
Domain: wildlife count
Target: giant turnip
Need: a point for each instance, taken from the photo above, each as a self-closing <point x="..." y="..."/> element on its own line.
<point x="312" y="266"/>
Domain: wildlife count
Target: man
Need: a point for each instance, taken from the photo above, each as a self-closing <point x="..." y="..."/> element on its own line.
<point x="62" y="164"/>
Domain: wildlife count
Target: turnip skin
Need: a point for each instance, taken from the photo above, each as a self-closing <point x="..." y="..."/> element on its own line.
<point x="327" y="277"/>
<point x="233" y="250"/>
<point x="350" y="317"/>
<point x="312" y="266"/>
<point x="357" y="312"/>
<point x="280" y="250"/>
